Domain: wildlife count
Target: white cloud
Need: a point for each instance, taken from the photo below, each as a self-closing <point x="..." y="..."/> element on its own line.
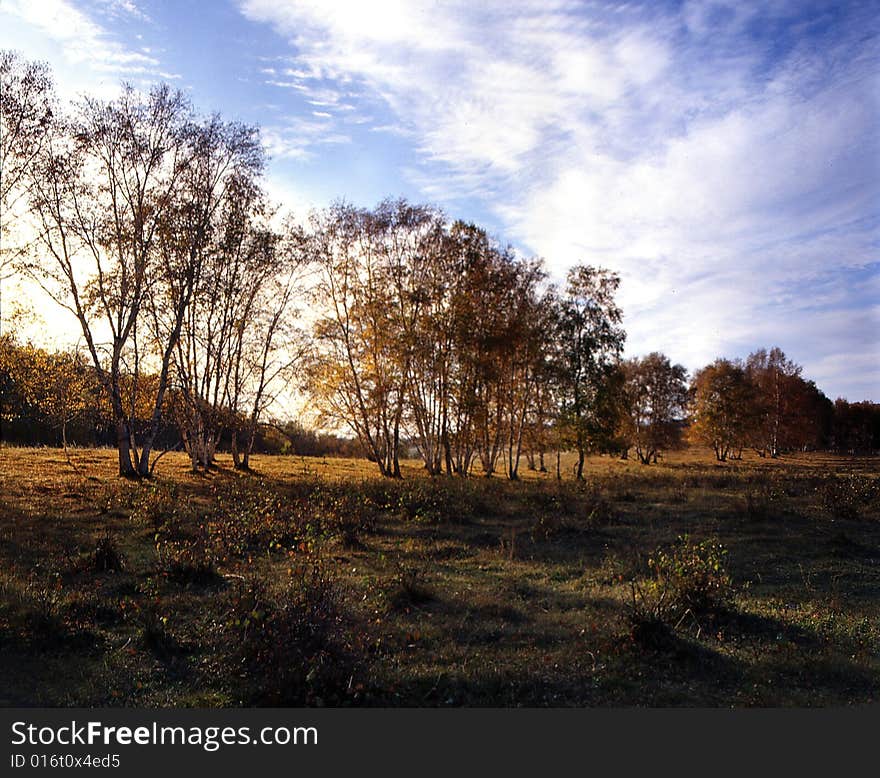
<point x="297" y="137"/>
<point x="83" y="53"/>
<point x="726" y="176"/>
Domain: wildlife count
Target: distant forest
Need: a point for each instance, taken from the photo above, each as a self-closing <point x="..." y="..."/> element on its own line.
<point x="198" y="302"/>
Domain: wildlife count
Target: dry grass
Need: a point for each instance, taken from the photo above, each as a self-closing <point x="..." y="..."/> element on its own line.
<point x="477" y="592"/>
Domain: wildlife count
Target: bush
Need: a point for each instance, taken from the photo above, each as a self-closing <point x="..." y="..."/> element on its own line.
<point x="162" y="507"/>
<point x="410" y="588"/>
<point x="763" y="499"/>
<point x="847" y="497"/>
<point x="42" y="598"/>
<point x="694" y="574"/>
<point x="107" y="557"/>
<point x="346" y="512"/>
<point x="546" y="527"/>
<point x="154" y="634"/>
<point x="444" y="500"/>
<point x="247" y="519"/>
<point x="649" y="614"/>
<point x="188" y="561"/>
<point x="691" y="579"/>
<point x="293" y="644"/>
<point x="599" y="510"/>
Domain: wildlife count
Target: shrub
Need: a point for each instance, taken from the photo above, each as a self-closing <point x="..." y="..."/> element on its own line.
<point x="422" y="501"/>
<point x="763" y="498"/>
<point x="409" y="588"/>
<point x="678" y="494"/>
<point x="546" y="526"/>
<point x="847" y="497"/>
<point x="599" y="510"/>
<point x="649" y="614"/>
<point x="162" y="507"/>
<point x="107" y="557"/>
<point x="293" y="645"/>
<point x="154" y="634"/>
<point x="188" y="561"/>
<point x="245" y="519"/>
<point x="507" y="544"/>
<point x="42" y="598"/>
<point x="347" y="513"/>
<point x="443" y="500"/>
<point x="694" y="574"/>
<point x="688" y="580"/>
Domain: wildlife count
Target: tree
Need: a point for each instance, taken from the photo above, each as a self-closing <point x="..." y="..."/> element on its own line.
<point x="656" y="400"/>
<point x="855" y="427"/>
<point x="356" y="375"/>
<point x="789" y="409"/>
<point x="429" y="331"/>
<point x="530" y="315"/>
<point x="26" y="113"/>
<point x="413" y="250"/>
<point x="268" y="345"/>
<point x="102" y="188"/>
<point x="474" y="331"/>
<point x="45" y="392"/>
<point x="724" y="407"/>
<point x="492" y="376"/>
<point x="590" y="340"/>
<point x="190" y="305"/>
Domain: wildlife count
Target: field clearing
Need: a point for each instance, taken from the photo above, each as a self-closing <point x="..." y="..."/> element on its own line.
<point x="314" y="581"/>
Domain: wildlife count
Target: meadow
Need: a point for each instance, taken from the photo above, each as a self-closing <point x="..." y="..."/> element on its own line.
<point x="316" y="582"/>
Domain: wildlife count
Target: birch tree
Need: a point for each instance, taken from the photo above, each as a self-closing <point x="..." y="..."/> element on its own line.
<point x="101" y="188"/>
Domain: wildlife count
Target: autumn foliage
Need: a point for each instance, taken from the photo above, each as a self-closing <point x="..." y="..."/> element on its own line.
<point x="196" y="304"/>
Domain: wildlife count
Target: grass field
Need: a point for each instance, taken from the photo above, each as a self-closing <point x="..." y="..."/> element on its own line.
<point x="687" y="583"/>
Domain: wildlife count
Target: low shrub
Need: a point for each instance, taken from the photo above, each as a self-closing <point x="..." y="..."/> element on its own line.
<point x="445" y="500"/>
<point x="763" y="499"/>
<point x="293" y="645"/>
<point x="154" y="634"/>
<point x="691" y="579"/>
<point x="409" y="588"/>
<point x="162" y="507"/>
<point x="848" y="496"/>
<point x="188" y="561"/>
<point x="649" y="615"/>
<point x="246" y="519"/>
<point x="695" y="575"/>
<point x="41" y="599"/>
<point x="599" y="509"/>
<point x="346" y="512"/>
<point x="107" y="556"/>
<point x="546" y="527"/>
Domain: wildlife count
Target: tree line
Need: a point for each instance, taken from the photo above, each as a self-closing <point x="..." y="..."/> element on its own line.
<point x="198" y="302"/>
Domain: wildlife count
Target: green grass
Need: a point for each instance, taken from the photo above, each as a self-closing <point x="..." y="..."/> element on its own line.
<point x="436" y="592"/>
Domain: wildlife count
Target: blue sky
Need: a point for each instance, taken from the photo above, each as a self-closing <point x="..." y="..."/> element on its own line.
<point x="723" y="157"/>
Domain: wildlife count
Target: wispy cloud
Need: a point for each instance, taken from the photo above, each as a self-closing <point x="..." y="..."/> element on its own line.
<point x="296" y="137"/>
<point x="722" y="156"/>
<point x="124" y="8"/>
<point x="85" y="44"/>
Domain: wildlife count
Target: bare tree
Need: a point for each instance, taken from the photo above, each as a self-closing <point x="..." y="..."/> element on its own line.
<point x="102" y="187"/>
<point x="192" y="322"/>
<point x="26" y="112"/>
<point x="268" y="346"/>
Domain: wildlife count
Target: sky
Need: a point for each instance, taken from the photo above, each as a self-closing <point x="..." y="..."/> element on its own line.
<point x="722" y="157"/>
